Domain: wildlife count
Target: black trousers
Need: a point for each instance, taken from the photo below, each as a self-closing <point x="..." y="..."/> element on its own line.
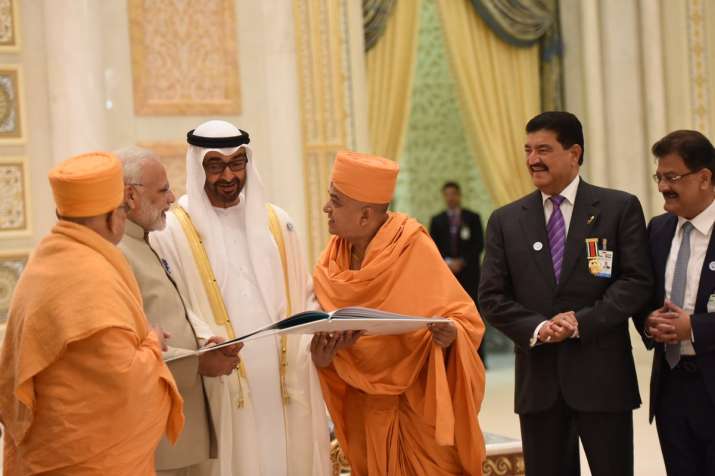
<point x="685" y="418"/>
<point x="550" y="441"/>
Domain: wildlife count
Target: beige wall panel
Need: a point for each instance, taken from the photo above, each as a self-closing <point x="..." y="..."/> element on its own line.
<point x="184" y="57"/>
<point x="173" y="156"/>
<point x="709" y="8"/>
<point x="15" y="204"/>
<point x="10" y="36"/>
<point x="34" y="152"/>
<point x="12" y="105"/>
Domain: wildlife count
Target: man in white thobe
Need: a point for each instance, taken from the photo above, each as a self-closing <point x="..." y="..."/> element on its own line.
<point x="238" y="262"/>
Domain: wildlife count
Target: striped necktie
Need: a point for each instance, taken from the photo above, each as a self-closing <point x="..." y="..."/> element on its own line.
<point x="556" y="229"/>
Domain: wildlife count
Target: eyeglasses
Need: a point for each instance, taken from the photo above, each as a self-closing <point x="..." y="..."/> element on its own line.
<point x="672" y="178"/>
<point x="217" y="167"/>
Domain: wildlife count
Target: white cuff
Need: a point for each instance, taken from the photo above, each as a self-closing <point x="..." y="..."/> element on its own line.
<point x="534" y="341"/>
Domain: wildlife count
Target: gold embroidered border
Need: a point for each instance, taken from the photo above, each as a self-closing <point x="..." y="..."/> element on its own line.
<point x="218" y="308"/>
<point x="277" y="233"/>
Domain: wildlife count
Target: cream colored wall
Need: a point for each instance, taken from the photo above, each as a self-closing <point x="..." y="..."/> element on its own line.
<point x="78" y="87"/>
<point x="269" y="95"/>
<point x="32" y="58"/>
<point x="630" y="75"/>
<point x="76" y="61"/>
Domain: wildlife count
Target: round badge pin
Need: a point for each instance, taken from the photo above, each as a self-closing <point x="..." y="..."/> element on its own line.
<point x="712" y="266"/>
<point x="538" y="246"/>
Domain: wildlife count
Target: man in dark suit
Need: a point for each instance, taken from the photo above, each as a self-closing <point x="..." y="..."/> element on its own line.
<point x="565" y="268"/>
<point x="680" y="322"/>
<point x="459" y="237"/>
<point x="458" y="234"/>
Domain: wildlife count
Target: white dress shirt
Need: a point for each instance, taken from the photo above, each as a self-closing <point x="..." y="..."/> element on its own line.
<point x="699" y="240"/>
<point x="569" y="194"/>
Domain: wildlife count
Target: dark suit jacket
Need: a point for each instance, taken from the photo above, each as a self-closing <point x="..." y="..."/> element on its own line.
<point x="594" y="373"/>
<point x="661" y="230"/>
<point x="469" y="250"/>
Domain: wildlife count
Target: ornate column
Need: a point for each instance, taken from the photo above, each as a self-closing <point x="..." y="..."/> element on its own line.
<point x="75" y="77"/>
<point x="328" y="95"/>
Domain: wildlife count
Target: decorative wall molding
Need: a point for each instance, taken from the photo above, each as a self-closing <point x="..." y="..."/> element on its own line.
<point x="325" y="90"/>
<point x="698" y="54"/>
<point x="15" y="207"/>
<point x="12" y="263"/>
<point x="9" y="26"/>
<point x="173" y="155"/>
<point x="184" y="57"/>
<point x="12" y="105"/>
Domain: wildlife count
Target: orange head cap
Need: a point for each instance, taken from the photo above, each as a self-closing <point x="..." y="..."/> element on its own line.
<point x="365" y="178"/>
<point x="87" y="185"/>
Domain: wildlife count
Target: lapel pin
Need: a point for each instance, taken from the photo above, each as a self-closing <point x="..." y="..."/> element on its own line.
<point x="590" y="219"/>
<point x="711" y="266"/>
<point x="538" y="246"/>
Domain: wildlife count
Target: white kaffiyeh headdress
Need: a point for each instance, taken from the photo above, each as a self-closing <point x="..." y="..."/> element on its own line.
<point x="226" y="139"/>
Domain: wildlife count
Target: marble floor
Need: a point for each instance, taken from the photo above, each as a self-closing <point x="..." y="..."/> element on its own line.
<point x="497" y="415"/>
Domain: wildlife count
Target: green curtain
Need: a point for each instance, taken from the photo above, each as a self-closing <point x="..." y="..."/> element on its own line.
<point x="523" y="23"/>
<point x="436" y="146"/>
<point x="375" y="14"/>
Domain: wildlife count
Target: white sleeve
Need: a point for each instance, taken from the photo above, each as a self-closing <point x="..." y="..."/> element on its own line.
<point x="534" y="341"/>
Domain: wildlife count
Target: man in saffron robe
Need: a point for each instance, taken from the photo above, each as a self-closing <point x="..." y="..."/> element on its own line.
<point x="83" y="388"/>
<point x="405" y="404"/>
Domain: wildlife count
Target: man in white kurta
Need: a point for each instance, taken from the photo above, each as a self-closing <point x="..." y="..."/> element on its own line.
<point x="273" y="420"/>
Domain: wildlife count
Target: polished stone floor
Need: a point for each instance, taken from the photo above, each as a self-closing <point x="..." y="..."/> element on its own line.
<point x="497" y="414"/>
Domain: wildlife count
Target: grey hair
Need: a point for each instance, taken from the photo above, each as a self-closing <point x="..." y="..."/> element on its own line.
<point x="133" y="159"/>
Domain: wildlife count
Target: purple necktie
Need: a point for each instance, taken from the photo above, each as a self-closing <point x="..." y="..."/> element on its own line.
<point x="556" y="228"/>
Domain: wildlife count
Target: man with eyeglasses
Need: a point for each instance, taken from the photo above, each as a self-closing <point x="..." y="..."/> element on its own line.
<point x="149" y="198"/>
<point x="680" y="321"/>
<point x="237" y="261"/>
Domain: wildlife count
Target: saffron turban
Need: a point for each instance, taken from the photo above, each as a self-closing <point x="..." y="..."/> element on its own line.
<point x="87" y="185"/>
<point x="365" y="178"/>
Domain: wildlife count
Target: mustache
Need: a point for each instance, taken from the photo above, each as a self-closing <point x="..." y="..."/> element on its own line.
<point x="226" y="183"/>
<point x="538" y="167"/>
<point x="670" y="195"/>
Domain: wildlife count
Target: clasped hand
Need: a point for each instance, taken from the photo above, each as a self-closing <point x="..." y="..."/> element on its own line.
<point x="559" y="328"/>
<point x="443" y="333"/>
<point x="669" y="324"/>
<point x="219" y="362"/>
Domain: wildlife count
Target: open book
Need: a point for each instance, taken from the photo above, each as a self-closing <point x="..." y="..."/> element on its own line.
<point x="371" y="321"/>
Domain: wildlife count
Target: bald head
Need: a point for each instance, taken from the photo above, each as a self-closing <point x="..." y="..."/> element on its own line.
<point x="149" y="195"/>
